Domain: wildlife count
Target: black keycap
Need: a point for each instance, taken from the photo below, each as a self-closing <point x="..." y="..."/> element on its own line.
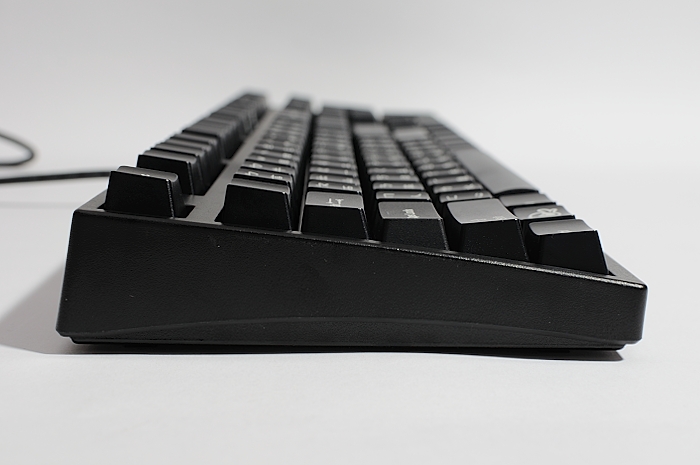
<point x="252" y="165"/>
<point x="331" y="178"/>
<point x="566" y="243"/>
<point x="456" y="197"/>
<point x="332" y="146"/>
<point x="432" y="160"/>
<point x="230" y="113"/>
<point x="227" y="136"/>
<point x="333" y="187"/>
<point x="141" y="191"/>
<point x="190" y="144"/>
<point x="391" y="161"/>
<point x="187" y="168"/>
<point x="334" y="165"/>
<point x="333" y="171"/>
<point x="438" y="166"/>
<point x="265" y="176"/>
<point x="370" y="130"/>
<point x="521" y="200"/>
<point x="361" y="116"/>
<point x="211" y="140"/>
<point x="377" y="163"/>
<point x="280" y="149"/>
<point x="410" y="223"/>
<point x="439" y="173"/>
<point x="335" y="214"/>
<point x="484" y="227"/>
<point x="411" y="133"/>
<point x="211" y="160"/>
<point x="379" y="170"/>
<point x="394" y="178"/>
<point x="258" y="204"/>
<point x="211" y="165"/>
<point x="464" y="187"/>
<point x="299" y="104"/>
<point x="438" y="181"/>
<point x="527" y="215"/>
<point x="337" y="158"/>
<point x="397" y="186"/>
<point x="273" y="161"/>
<point x="444" y="199"/>
<point x="277" y="154"/>
<point x="234" y="125"/>
<point x="402" y="195"/>
<point x="497" y="178"/>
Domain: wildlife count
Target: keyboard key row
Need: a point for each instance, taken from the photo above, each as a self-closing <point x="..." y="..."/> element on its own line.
<point x="184" y="164"/>
<point x="521" y="224"/>
<point x="409" y="180"/>
<point x="334" y="204"/>
<point x="264" y="192"/>
<point x="399" y="205"/>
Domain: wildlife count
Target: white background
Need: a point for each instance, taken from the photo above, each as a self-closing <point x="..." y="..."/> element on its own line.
<point x="595" y="102"/>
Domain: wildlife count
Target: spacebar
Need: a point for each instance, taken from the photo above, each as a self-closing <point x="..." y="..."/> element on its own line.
<point x="495" y="177"/>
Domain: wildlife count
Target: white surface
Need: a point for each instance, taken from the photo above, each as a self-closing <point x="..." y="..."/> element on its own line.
<point x="596" y="103"/>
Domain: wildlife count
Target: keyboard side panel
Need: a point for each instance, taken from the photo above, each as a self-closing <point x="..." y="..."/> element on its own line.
<point x="138" y="279"/>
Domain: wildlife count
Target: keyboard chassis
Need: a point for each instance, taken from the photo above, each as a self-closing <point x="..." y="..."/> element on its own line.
<point x="138" y="279"/>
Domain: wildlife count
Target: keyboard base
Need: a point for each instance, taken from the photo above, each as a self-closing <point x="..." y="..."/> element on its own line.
<point x="135" y="279"/>
<point x="350" y="333"/>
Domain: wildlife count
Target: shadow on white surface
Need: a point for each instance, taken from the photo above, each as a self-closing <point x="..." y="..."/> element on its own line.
<point x="30" y="325"/>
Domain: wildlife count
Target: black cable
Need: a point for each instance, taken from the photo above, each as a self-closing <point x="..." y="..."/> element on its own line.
<point x="56" y="176"/>
<point x="22" y="161"/>
<point x="30" y="154"/>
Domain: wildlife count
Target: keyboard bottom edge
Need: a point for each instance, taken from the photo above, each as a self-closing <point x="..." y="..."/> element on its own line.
<point x="350" y="333"/>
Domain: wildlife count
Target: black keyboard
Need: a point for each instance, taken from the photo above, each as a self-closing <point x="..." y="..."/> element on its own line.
<point x="261" y="227"/>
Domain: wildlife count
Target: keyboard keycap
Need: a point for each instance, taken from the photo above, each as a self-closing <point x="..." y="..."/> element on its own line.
<point x="209" y="155"/>
<point x="227" y="136"/>
<point x="566" y="243"/>
<point x="211" y="165"/>
<point x="437" y="181"/>
<point x="397" y="186"/>
<point x="521" y="200"/>
<point x="334" y="187"/>
<point x="527" y="215"/>
<point x="464" y="187"/>
<point x="402" y="195"/>
<point x="259" y="204"/>
<point x="472" y="195"/>
<point x="212" y="141"/>
<point x="266" y="176"/>
<point x="394" y="178"/>
<point x="411" y="223"/>
<point x="440" y="173"/>
<point x="484" y="227"/>
<point x="187" y="168"/>
<point x="269" y="167"/>
<point x="331" y="171"/>
<point x="141" y="191"/>
<point x="497" y="178"/>
<point x="335" y="214"/>
<point x="331" y="178"/>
